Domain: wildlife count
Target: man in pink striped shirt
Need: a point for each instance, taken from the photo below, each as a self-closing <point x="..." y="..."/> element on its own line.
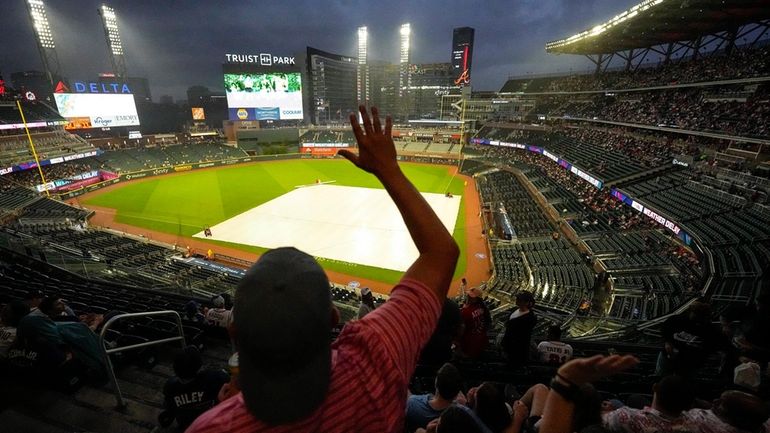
<point x="292" y="378"/>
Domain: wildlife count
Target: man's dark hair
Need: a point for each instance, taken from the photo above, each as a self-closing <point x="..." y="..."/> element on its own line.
<point x="674" y="394"/>
<point x="588" y="408"/>
<point x="14" y="312"/>
<point x="457" y="420"/>
<point x="743" y="410"/>
<point x="448" y="381"/>
<point x="47" y="304"/>
<point x="491" y="408"/>
<point x="33" y="294"/>
<point x="554" y="333"/>
<point x="187" y="362"/>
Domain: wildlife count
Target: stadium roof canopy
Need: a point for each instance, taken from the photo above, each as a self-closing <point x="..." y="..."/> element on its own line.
<point x="657" y="22"/>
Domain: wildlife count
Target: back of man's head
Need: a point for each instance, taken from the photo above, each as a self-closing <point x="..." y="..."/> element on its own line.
<point x="455" y="419"/>
<point x="742" y="410"/>
<point x="48" y="304"/>
<point x="699" y="312"/>
<point x="490" y="407"/>
<point x="448" y="381"/>
<point x="187" y="362"/>
<point x="554" y="333"/>
<point x="14" y="312"/>
<point x="282" y="317"/>
<point x="673" y="395"/>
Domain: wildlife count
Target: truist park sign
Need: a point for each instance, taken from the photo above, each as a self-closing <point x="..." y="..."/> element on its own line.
<point x="262" y="59"/>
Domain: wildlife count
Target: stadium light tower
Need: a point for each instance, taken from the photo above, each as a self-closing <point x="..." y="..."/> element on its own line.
<point x="45" y="42"/>
<point x="362" y="72"/>
<point x="404" y="76"/>
<point x="111" y="32"/>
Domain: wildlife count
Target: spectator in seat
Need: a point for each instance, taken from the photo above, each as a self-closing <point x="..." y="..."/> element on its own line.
<point x="62" y="342"/>
<point x="367" y="303"/>
<point x="291" y="376"/>
<point x="753" y="339"/>
<point x="10" y="316"/>
<point x="424" y="408"/>
<point x="455" y="419"/>
<point x="476" y="323"/>
<point x="191" y="391"/>
<point x="518" y="330"/>
<point x="219" y="315"/>
<point x="689" y="339"/>
<point x="552" y="350"/>
<point x="438" y="350"/>
<point x="528" y="412"/>
<point x="488" y="404"/>
<point x="562" y="413"/>
<point x="192" y="312"/>
<point x="732" y="412"/>
<point x="33" y="299"/>
<point x="671" y="396"/>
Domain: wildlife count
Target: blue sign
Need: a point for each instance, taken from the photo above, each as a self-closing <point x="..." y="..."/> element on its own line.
<point x="271" y="113"/>
<point x="81" y="87"/>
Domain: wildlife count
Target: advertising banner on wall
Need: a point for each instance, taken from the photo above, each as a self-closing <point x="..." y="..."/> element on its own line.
<point x="97" y="110"/>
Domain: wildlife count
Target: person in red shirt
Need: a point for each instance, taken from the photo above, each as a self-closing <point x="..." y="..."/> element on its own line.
<point x="476" y="322"/>
<point x="292" y="378"/>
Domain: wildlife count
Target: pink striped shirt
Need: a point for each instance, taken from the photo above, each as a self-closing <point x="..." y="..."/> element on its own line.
<point x="372" y="362"/>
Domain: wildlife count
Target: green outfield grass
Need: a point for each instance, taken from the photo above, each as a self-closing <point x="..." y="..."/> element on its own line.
<point x="183" y="204"/>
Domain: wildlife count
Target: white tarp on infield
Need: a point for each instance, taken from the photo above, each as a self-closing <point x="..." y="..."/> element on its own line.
<point x="351" y="224"/>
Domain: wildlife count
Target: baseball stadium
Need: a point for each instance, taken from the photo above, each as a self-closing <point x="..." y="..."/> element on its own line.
<point x="333" y="242"/>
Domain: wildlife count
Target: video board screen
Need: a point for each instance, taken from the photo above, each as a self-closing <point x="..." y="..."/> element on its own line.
<point x="462" y="55"/>
<point x="264" y="96"/>
<point x="97" y="110"/>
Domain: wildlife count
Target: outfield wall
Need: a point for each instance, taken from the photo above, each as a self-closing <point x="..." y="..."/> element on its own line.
<point x="160" y="171"/>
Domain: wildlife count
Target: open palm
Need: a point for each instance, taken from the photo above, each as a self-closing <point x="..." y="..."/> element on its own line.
<point x="376" y="151"/>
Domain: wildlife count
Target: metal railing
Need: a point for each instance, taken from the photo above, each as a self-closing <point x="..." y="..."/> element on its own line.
<point x="108" y="352"/>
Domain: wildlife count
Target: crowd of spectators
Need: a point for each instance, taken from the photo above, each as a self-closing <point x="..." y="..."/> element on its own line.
<point x="292" y="377"/>
<point x="594" y="202"/>
<point x="741" y="63"/>
<point x="700" y="109"/>
<point x="647" y="150"/>
<point x="44" y="330"/>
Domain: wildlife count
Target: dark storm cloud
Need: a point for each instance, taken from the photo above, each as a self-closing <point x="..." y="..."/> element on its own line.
<point x="177" y="44"/>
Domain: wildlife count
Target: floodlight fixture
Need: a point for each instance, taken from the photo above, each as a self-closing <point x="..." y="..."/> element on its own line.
<point x="362" y="71"/>
<point x="111" y="30"/>
<point x="363" y="38"/>
<point x="40" y="23"/>
<point x="404" y="76"/>
<point x="112" y="36"/>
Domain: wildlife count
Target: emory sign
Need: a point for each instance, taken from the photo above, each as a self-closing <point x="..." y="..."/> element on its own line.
<point x="264" y="59"/>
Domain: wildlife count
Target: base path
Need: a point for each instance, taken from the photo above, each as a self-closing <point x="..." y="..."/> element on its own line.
<point x="477" y="255"/>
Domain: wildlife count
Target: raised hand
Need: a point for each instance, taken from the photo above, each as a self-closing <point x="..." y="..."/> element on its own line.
<point x="586" y="370"/>
<point x="376" y="151"/>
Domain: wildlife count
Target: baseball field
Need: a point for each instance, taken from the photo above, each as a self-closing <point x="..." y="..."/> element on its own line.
<point x="183" y="204"/>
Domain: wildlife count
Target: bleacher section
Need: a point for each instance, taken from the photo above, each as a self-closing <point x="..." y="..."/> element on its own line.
<point x="503" y="188"/>
<point x="14" y="149"/>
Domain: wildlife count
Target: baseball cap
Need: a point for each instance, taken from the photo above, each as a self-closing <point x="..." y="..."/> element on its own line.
<point x="366" y="291"/>
<point x="218" y="301"/>
<point x="283" y="332"/>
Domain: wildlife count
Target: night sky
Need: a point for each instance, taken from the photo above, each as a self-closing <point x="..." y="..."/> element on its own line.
<point x="177" y="44"/>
